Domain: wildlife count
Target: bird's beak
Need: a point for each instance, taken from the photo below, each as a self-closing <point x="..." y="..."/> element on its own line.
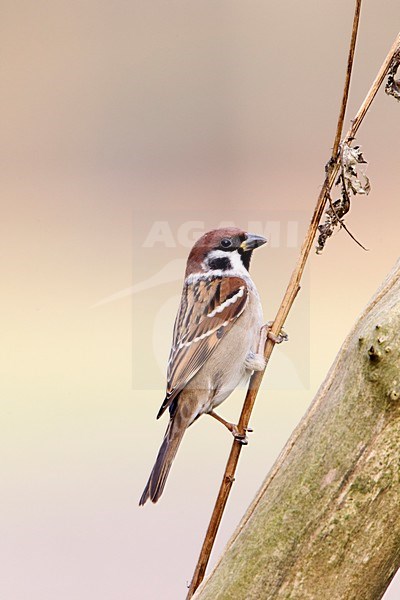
<point x="252" y="241"/>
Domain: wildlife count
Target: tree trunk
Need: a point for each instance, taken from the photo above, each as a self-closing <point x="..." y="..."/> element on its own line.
<point x="326" y="521"/>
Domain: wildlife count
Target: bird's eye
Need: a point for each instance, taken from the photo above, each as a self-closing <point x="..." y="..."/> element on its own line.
<point x="226" y="243"/>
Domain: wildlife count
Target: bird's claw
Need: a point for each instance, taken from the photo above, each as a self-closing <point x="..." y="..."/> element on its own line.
<point x="277" y="339"/>
<point x="240" y="437"/>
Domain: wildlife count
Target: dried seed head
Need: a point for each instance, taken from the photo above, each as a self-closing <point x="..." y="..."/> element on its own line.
<point x="392" y="87"/>
<point x="353" y="181"/>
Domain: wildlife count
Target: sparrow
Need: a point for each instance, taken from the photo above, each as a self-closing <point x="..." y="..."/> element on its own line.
<point x="218" y="340"/>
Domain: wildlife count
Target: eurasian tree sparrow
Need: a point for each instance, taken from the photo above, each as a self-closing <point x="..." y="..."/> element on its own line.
<point x="218" y="340"/>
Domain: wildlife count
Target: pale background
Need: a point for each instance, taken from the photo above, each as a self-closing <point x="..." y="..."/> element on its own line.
<point x="116" y="115"/>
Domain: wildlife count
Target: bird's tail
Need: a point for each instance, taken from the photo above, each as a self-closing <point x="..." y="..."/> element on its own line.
<point x="158" y="476"/>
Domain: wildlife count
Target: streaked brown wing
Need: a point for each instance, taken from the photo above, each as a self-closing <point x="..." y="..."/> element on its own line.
<point x="208" y="309"/>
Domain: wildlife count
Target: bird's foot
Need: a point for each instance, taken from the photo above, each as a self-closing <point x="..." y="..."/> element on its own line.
<point x="277" y="339"/>
<point x="238" y="435"/>
<point x="241" y="437"/>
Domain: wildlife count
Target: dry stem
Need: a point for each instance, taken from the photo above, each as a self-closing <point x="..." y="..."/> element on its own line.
<point x="290" y="295"/>
<point x="350" y="60"/>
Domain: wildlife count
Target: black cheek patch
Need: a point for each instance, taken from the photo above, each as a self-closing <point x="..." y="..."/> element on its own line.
<point x="246" y="258"/>
<point x="223" y="263"/>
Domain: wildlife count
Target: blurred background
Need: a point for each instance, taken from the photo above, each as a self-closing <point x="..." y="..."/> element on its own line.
<point x="129" y="128"/>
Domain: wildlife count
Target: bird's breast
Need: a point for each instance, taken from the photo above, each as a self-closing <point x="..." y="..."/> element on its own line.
<point x="225" y="369"/>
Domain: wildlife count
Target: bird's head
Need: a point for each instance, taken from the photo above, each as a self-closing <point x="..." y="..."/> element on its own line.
<point x="225" y="249"/>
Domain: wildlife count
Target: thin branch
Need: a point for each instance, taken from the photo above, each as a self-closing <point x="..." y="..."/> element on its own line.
<point x="350" y="60"/>
<point x="287" y="302"/>
<point x="373" y="90"/>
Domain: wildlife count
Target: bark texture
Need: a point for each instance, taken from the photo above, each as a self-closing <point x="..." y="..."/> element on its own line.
<point x="326" y="521"/>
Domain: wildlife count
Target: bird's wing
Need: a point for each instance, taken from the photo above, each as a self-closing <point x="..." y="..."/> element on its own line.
<point x="208" y="309"/>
